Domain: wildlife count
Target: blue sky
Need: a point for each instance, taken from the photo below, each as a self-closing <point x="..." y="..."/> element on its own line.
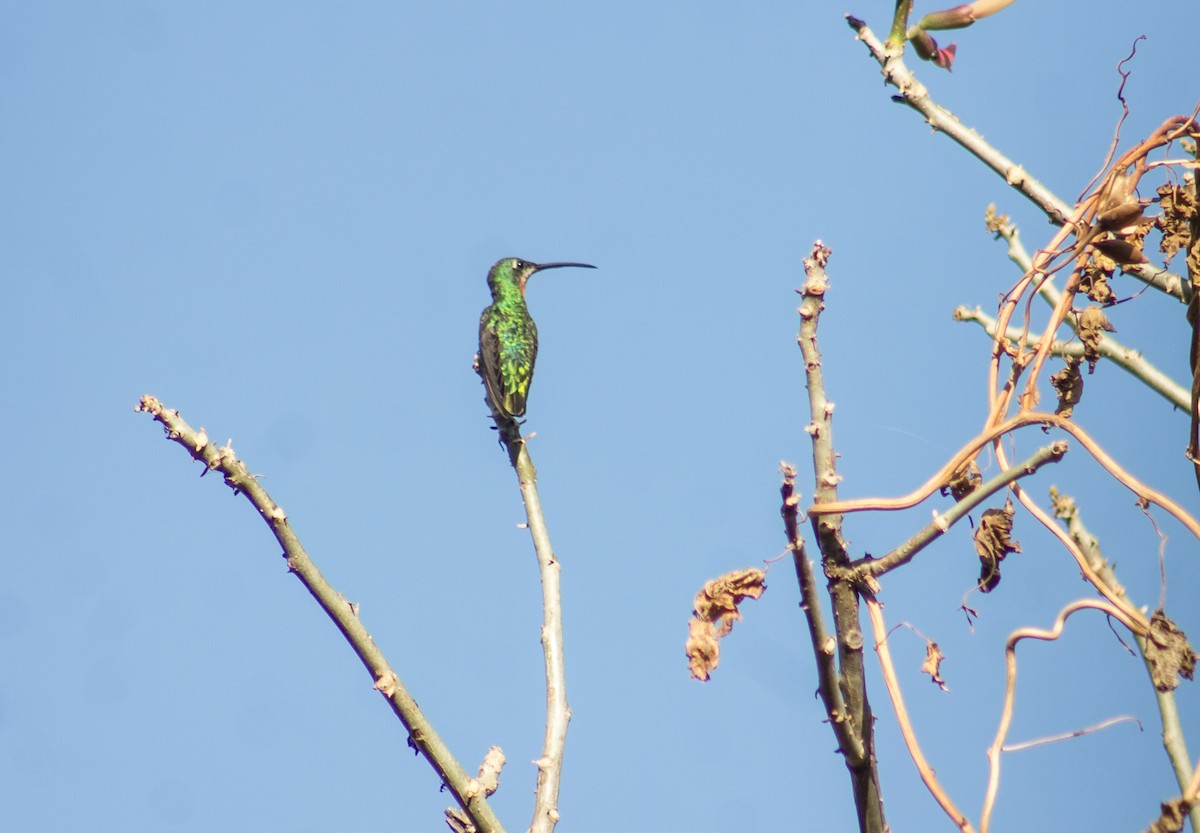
<point x="278" y="218"/>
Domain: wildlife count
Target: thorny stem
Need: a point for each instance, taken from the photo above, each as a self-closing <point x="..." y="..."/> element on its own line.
<point x="1083" y="222"/>
<point x="421" y="734"/>
<point x="810" y="603"/>
<point x="860" y="758"/>
<point x="558" y="713"/>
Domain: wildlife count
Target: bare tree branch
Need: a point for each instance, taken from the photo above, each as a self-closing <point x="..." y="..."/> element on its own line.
<point x="558" y="713"/>
<point x="421" y="735"/>
<point x="860" y="758"/>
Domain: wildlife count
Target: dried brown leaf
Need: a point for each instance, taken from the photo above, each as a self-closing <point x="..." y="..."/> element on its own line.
<point x="1169" y="653"/>
<point x="1178" y="205"/>
<point x="993" y="542"/>
<point x="715" y="611"/>
<point x="1091" y="322"/>
<point x="964" y="481"/>
<point x="1093" y="282"/>
<point x="703" y="650"/>
<point x="1174" y="814"/>
<point x="1068" y="384"/>
<point x="933" y="664"/>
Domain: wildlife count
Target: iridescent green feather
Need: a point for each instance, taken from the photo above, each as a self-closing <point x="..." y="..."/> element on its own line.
<point x="508" y="338"/>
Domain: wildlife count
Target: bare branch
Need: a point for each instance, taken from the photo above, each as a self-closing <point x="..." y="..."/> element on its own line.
<point x="421" y="735"/>
<point x="942" y="523"/>
<point x="1126" y="358"/>
<point x="914" y="94"/>
<point x="558" y="713"/>
<point x="822" y="643"/>
<point x="860" y="758"/>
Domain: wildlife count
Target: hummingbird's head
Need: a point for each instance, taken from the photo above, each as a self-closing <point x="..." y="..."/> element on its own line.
<point x="514" y="271"/>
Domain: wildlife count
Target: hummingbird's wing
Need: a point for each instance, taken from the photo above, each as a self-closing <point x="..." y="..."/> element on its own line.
<point x="489" y="361"/>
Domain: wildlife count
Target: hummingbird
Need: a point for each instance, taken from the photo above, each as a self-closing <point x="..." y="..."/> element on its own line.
<point x="508" y="339"/>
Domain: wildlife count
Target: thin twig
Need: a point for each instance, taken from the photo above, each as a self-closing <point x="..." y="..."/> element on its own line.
<point x="1075" y="733"/>
<point x="421" y="734"/>
<point x="928" y="776"/>
<point x="1010" y="690"/>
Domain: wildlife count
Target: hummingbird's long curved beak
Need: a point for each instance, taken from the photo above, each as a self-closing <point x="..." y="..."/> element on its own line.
<point x="538" y="267"/>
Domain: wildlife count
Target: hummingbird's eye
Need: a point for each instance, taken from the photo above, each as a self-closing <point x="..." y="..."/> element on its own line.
<point x="518" y="263"/>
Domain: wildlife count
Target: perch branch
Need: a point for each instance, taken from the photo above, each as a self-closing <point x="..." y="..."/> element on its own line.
<point x="558" y="713"/>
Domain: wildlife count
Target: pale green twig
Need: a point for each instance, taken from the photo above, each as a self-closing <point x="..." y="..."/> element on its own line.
<point x="1124" y="357"/>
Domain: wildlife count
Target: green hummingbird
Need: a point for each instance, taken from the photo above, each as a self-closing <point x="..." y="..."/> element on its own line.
<point x="508" y="339"/>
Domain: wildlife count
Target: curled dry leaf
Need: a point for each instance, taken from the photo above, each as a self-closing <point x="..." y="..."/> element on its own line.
<point x="1068" y="384"/>
<point x="933" y="664"/>
<point x="715" y="611"/>
<point x="964" y="481"/>
<point x="1091" y="321"/>
<point x="1178" y="205"/>
<point x="993" y="542"/>
<point x="1169" y="653"/>
<point x="1174" y="815"/>
<point x="1093" y="282"/>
